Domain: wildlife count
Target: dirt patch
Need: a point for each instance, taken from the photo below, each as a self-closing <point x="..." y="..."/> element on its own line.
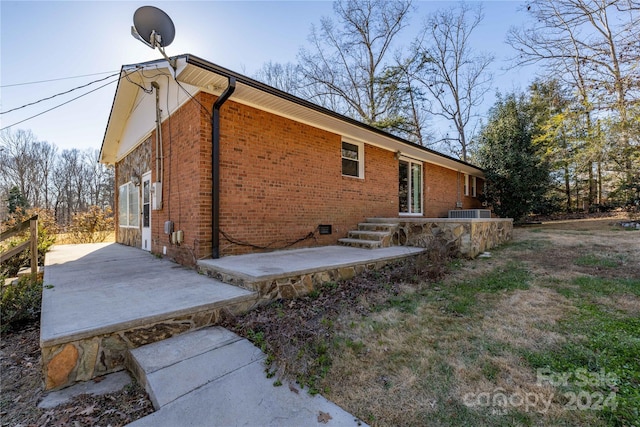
<point x="569" y="249"/>
<point x="22" y="390"/>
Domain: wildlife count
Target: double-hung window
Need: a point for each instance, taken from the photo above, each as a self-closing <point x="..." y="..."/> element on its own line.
<point x="352" y="159"/>
<point x="128" y="205"/>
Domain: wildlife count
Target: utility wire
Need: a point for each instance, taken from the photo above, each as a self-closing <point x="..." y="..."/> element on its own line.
<point x="61" y="93"/>
<point x="55" y="80"/>
<point x="60" y="105"/>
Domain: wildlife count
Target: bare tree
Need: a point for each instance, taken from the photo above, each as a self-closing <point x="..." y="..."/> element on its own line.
<point x="347" y="59"/>
<point x="45" y="155"/>
<point x="454" y="75"/>
<point x="100" y="180"/>
<point x="68" y="182"/>
<point x="285" y="77"/>
<point x="26" y="163"/>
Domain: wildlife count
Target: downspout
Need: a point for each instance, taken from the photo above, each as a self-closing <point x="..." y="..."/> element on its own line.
<point x="215" y="167"/>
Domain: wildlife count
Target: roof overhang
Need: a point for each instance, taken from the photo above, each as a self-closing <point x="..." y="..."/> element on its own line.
<point x="205" y="76"/>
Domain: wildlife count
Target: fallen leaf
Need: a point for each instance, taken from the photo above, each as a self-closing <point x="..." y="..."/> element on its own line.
<point x="324" y="417"/>
<point x="293" y="389"/>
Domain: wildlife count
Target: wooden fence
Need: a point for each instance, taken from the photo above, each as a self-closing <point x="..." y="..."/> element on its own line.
<point x="32" y="243"/>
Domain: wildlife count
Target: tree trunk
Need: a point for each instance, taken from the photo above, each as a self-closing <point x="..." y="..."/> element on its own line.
<point x="567" y="186"/>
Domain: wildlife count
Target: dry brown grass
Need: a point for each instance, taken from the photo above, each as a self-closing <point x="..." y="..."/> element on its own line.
<point x="407" y="353"/>
<point x="69" y="239"/>
<point x="413" y="364"/>
<point x="384" y="381"/>
<point x="525" y="317"/>
<point x="630" y="304"/>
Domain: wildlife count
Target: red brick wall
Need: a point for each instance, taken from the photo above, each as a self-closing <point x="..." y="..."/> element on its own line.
<point x="443" y="188"/>
<point x="186" y="187"/>
<point x="280" y="179"/>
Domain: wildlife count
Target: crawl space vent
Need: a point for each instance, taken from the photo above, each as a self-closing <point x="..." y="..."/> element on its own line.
<point x="324" y="228"/>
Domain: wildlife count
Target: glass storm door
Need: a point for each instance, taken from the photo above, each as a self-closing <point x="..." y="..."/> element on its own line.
<point x="410" y="187"/>
<point x="146" y="211"/>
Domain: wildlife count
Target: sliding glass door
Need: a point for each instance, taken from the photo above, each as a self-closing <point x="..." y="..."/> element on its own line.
<point x="410" y="187"/>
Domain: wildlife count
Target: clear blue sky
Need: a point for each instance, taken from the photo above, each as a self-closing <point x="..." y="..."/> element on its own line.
<point x="56" y="40"/>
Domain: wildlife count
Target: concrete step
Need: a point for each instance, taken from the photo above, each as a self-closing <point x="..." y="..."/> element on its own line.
<point x="174" y="367"/>
<point x="368" y="235"/>
<point x="381" y="221"/>
<point x="360" y="243"/>
<point x="213" y="377"/>
<point x="373" y="226"/>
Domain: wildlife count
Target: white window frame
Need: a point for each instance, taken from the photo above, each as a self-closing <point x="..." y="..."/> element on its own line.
<point x="360" y="160"/>
<point x="466" y="184"/>
<point x="124" y="220"/>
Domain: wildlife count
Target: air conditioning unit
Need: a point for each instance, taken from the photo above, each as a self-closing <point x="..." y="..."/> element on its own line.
<point x="470" y="213"/>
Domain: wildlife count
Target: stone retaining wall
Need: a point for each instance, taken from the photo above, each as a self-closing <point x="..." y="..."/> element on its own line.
<point x="65" y="363"/>
<point x="91" y="357"/>
<point x="470" y="237"/>
<point x="298" y="285"/>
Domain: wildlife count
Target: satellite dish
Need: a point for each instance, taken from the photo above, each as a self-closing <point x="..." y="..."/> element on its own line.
<point x="153" y="27"/>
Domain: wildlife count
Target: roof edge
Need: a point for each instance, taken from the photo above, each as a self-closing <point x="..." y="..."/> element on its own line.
<point x="209" y="66"/>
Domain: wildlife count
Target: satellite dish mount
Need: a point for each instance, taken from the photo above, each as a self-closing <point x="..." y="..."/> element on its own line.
<point x="154" y="28"/>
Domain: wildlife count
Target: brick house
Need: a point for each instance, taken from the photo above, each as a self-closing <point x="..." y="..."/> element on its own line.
<point x="288" y="172"/>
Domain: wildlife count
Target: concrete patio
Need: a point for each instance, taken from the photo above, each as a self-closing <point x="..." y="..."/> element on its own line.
<point x="108" y="307"/>
<point x="102" y="300"/>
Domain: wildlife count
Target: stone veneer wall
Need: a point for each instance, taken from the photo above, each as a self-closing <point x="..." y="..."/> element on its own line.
<point x="90" y="357"/>
<point x="471" y="237"/>
<point x="298" y="285"/>
<point x="136" y="163"/>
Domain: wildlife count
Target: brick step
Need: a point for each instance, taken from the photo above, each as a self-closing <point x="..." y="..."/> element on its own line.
<point x="360" y="243"/>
